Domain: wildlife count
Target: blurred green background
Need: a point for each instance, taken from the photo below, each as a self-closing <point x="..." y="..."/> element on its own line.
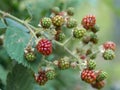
<point x="108" y="18"/>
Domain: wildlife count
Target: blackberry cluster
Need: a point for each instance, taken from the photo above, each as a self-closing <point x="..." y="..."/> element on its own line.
<point x="85" y="33"/>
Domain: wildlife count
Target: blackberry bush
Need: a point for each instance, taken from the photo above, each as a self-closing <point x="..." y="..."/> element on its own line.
<point x="49" y="51"/>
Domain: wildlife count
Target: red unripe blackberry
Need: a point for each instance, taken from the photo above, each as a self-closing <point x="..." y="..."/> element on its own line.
<point x="109" y="45"/>
<point x="41" y="77"/>
<point x="70" y="11"/>
<point x="83" y="57"/>
<point x="88" y="21"/>
<point x="88" y="76"/>
<point x="44" y="46"/>
<point x="98" y="85"/>
<point x="63" y="14"/>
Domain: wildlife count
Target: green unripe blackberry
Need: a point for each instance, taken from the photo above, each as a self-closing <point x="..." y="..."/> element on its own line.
<point x="30" y="56"/>
<point x="102" y="76"/>
<point x="70" y="11"/>
<point x="95" y="29"/>
<point x="63" y="63"/>
<point x="94" y="38"/>
<point x="56" y="10"/>
<point x="93" y="56"/>
<point x="60" y="37"/>
<point x="88" y="52"/>
<point x="58" y="20"/>
<point x="50" y="74"/>
<point x="86" y="39"/>
<point x="109" y="54"/>
<point x="79" y="33"/>
<point x="91" y="64"/>
<point x="71" y="23"/>
<point x="88" y="21"/>
<point x="46" y="22"/>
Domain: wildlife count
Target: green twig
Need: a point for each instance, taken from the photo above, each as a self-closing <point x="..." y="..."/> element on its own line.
<point x="67" y="40"/>
<point x="32" y="32"/>
<point x="16" y="19"/>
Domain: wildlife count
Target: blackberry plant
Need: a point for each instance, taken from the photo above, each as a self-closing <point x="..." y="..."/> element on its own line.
<point x="33" y="46"/>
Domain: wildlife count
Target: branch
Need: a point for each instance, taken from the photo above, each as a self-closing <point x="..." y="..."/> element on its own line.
<point x="71" y="53"/>
<point x="16" y="19"/>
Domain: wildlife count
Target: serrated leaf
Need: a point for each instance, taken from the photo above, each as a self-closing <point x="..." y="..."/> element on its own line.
<point x="15" y="43"/>
<point x="13" y="23"/>
<point x="20" y="78"/>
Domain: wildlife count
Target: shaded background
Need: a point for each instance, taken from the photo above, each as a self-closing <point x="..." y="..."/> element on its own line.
<point x="108" y="18"/>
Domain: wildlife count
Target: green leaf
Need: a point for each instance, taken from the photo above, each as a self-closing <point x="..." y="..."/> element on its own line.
<point x="20" y="78"/>
<point x="14" y="23"/>
<point x="15" y="43"/>
<point x="3" y="74"/>
<point x="4" y="58"/>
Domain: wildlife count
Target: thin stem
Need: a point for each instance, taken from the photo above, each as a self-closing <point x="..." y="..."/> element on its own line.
<point x="70" y="53"/>
<point x="49" y="63"/>
<point x="67" y="40"/>
<point x="16" y="19"/>
<point x="31" y="30"/>
<point x="58" y="43"/>
<point x="97" y="51"/>
<point x="21" y="21"/>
